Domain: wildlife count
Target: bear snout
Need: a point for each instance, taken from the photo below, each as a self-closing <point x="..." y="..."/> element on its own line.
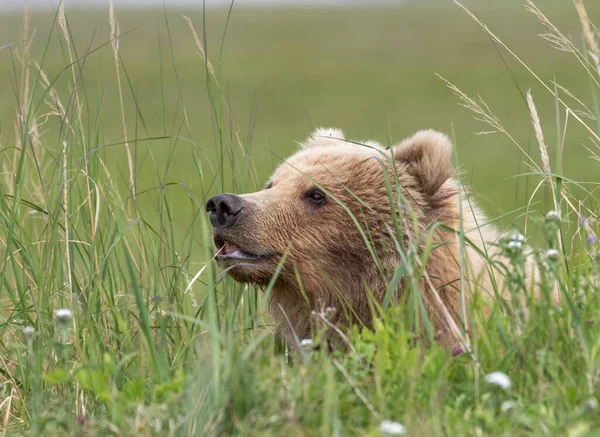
<point x="224" y="209"/>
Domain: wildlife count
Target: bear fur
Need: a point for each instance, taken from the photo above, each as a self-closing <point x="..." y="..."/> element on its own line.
<point x="318" y="242"/>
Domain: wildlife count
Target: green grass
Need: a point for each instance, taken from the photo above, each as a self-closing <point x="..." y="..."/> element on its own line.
<point x="371" y="72"/>
<point x="159" y="342"/>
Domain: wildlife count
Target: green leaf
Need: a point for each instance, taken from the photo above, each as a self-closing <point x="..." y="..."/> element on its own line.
<point x="134" y="391"/>
<point x="163" y="392"/>
<point x="98" y="381"/>
<point x="109" y="365"/>
<point x="84" y="378"/>
<point x="57" y="376"/>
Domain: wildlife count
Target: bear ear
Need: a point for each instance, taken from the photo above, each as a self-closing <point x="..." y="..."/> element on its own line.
<point x="427" y="156"/>
<point x="323" y="137"/>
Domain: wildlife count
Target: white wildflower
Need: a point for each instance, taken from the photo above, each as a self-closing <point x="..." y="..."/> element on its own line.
<point x="392" y="428"/>
<point x="306" y="342"/>
<point x="515" y="245"/>
<point x="518" y="237"/>
<point x="28" y="331"/>
<point x="515" y="242"/>
<point x="63" y="315"/>
<point x="591" y="404"/>
<point x="499" y="379"/>
<point x="508" y="405"/>
<point x="552" y="255"/>
<point x="553" y="217"/>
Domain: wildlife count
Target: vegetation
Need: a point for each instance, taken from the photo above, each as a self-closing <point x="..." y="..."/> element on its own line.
<point x="114" y="320"/>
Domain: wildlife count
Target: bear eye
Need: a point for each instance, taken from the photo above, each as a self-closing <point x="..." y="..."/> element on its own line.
<point x="269" y="185"/>
<point x="316" y="196"/>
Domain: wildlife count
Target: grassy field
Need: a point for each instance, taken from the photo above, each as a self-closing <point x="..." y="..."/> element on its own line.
<point x="104" y="172"/>
<point x="371" y="72"/>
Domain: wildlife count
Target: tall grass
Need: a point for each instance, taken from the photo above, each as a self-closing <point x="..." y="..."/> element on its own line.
<point x="115" y="321"/>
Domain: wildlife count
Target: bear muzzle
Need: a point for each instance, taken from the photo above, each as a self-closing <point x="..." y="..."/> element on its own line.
<point x="224" y="209"/>
<point x="230" y="241"/>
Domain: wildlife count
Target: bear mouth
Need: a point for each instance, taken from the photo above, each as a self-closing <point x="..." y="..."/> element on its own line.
<point x="228" y="251"/>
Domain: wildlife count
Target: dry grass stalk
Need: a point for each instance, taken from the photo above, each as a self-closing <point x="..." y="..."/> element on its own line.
<point x="589" y="35"/>
<point x="22" y="54"/>
<point x="496" y="39"/>
<point x="484" y="114"/>
<point x="6" y="404"/>
<point x="537" y="127"/>
<point x="202" y="53"/>
<point x="585" y="111"/>
<point x="114" y="37"/>
<point x="462" y="339"/>
<point x="62" y="22"/>
<point x="594" y="153"/>
<point x="58" y="109"/>
<point x="66" y="211"/>
<point x="559" y="40"/>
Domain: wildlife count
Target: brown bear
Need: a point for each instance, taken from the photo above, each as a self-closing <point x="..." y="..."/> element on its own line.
<point x="328" y="221"/>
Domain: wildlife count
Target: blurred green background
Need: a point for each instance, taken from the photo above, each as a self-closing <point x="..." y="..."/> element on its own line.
<point x="286" y="70"/>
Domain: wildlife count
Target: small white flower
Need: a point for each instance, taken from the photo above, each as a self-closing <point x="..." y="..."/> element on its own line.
<point x="63" y="315"/>
<point x="515" y="245"/>
<point x="591" y="404"/>
<point x="552" y="255"/>
<point x="306" y="342"/>
<point x="508" y="406"/>
<point x="28" y="331"/>
<point x="553" y="217"/>
<point x="517" y="236"/>
<point x="498" y="379"/>
<point x="392" y="428"/>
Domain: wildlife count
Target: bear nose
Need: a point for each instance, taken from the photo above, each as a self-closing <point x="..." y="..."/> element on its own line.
<point x="224" y="209"/>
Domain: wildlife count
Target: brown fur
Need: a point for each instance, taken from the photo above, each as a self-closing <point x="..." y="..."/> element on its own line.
<point x="326" y="253"/>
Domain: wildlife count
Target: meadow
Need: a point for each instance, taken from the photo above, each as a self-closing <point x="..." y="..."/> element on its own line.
<point x="115" y="129"/>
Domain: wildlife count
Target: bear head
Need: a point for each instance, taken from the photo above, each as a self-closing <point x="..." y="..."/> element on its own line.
<point x="324" y="228"/>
